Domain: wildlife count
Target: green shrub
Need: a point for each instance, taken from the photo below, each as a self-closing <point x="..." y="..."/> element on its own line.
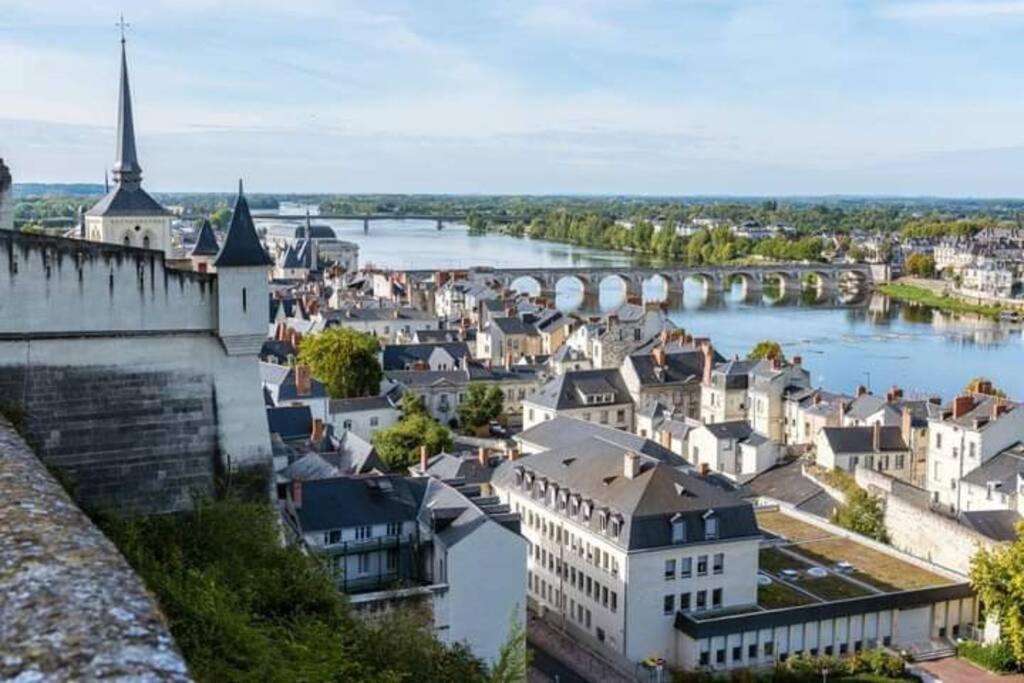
<point x="997" y="657"/>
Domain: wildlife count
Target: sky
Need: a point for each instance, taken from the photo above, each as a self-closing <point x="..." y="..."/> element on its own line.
<point x="686" y="97"/>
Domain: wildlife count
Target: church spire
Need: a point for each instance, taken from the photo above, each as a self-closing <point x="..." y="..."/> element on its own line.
<point x="126" y="171"/>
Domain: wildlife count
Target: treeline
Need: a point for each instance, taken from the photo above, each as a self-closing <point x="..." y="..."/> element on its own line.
<point x="715" y="246"/>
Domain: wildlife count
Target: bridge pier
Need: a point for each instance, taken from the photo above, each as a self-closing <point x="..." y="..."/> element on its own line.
<point x="366" y="225"/>
<point x="440" y="225"/>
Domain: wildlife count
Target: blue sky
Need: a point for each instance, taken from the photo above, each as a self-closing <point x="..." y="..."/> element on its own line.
<point x="605" y="96"/>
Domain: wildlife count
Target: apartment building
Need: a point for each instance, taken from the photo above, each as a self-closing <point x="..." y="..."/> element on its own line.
<point x="619" y="542"/>
<point x="599" y="396"/>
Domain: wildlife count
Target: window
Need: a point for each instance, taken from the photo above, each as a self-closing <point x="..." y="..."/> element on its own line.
<point x="620" y="416"/>
<point x="127" y="240"/>
<point x="332" y="537"/>
<point x="704" y="658"/>
<point x="615" y="601"/>
<point x="686" y="567"/>
<point x="588" y="619"/>
<point x="684" y="602"/>
<point x="347" y="424"/>
<point x="678" y="530"/>
<point x="670" y="570"/>
<point x="711" y="528"/>
<point x="604" y="596"/>
<point x="363" y="533"/>
<point x="716" y="598"/>
<point x="669" y="604"/>
<point x="245" y="300"/>
<point x="374" y="421"/>
<point x="720" y="656"/>
<point x="718" y="565"/>
<point x="392" y="559"/>
<point x="702" y="565"/>
<point x="702" y="600"/>
<point x="971" y="449"/>
<point x="363" y="563"/>
<point x="145" y="242"/>
<point x="604" y="417"/>
<point x="586" y="417"/>
<point x="394" y="528"/>
<point x="737" y="653"/>
<point x="752" y="651"/>
<point x="602" y="521"/>
<point x="616" y="526"/>
<point x="769" y="648"/>
<point x="600" y="634"/>
<point x="938" y="440"/>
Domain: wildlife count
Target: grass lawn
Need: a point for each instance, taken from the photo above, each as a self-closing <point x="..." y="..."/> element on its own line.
<point x="833" y="587"/>
<point x="878" y="569"/>
<point x="790" y="528"/>
<point x="778" y="595"/>
<point x="774" y="560"/>
<point x="927" y="297"/>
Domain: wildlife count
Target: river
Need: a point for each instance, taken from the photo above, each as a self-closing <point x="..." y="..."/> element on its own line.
<point x="872" y="340"/>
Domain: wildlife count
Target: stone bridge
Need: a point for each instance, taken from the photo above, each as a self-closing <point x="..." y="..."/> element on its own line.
<point x="824" y="277"/>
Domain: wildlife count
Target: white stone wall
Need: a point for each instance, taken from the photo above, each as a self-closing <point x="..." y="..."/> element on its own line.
<point x="151" y="232"/>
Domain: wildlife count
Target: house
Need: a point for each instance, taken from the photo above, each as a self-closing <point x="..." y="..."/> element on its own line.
<point x="879" y="448"/>
<point x="462" y="299"/>
<point x="809" y="410"/>
<point x="294" y="386"/>
<point x="562" y="432"/>
<point x="393" y="539"/>
<point x="670" y="373"/>
<point x="507" y="337"/>
<point x="592" y="395"/>
<point x="394" y="325"/>
<point x="621" y="542"/>
<point x="963" y="436"/>
<point x="432" y="356"/>
<point x="567" y="358"/>
<point x="656" y="421"/>
<point x="724" y="392"/>
<point x="997" y="484"/>
<point x="363" y="416"/>
<point x="733" y="449"/>
<point x="460" y="468"/>
<point x="768" y="385"/>
<point x="609" y="340"/>
<point x="554" y="328"/>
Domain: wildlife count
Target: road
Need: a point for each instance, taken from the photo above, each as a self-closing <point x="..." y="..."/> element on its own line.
<point x="544" y="669"/>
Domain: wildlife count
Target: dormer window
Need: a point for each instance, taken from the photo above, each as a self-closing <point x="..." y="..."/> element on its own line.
<point x="574" y="505"/>
<point x="602" y="521"/>
<point x="519" y="476"/>
<point x="678" y="529"/>
<point x="586" y="511"/>
<point x="552" y="495"/>
<point x="563" y="499"/>
<point x="616" y="526"/>
<point x="710" y="526"/>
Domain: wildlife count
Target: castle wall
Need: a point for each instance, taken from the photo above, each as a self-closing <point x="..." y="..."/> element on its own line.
<point x="61" y="286"/>
<point x="118" y="368"/>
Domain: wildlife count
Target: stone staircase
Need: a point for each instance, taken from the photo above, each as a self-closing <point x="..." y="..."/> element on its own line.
<point x="930" y="650"/>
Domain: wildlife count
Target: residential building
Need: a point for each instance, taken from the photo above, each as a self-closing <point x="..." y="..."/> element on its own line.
<point x="670" y="373"/>
<point x="364" y="416"/>
<point x="733" y="449"/>
<point x="294" y="386"/>
<point x="619" y="542"/>
<point x="599" y="396"/>
<point x="724" y="392"/>
<point x="768" y="385"/>
<point x="876" y="448"/>
<point x="507" y="337"/>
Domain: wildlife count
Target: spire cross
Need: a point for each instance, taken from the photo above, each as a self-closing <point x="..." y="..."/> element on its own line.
<point x="122" y="24"/>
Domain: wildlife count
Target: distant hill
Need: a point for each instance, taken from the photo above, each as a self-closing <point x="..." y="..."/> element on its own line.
<point x="22" y="190"/>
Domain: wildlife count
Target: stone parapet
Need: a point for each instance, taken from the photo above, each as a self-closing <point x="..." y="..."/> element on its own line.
<point x="71" y="608"/>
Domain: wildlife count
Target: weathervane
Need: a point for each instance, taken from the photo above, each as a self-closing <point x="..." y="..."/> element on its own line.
<point x="122" y="24"/>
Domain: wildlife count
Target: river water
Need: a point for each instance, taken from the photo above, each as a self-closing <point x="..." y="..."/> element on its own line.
<point x="869" y="340"/>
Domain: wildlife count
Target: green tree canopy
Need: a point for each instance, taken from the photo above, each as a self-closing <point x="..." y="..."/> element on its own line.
<point x="921" y="265"/>
<point x="220" y="218"/>
<point x="983" y="385"/>
<point x="766" y="349"/>
<point x="344" y="360"/>
<point x="998" y="577"/>
<point x="399" y="445"/>
<point x="482" y="404"/>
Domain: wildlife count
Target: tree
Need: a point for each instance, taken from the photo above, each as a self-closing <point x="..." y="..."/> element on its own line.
<point x="983" y="385"/>
<point x="220" y="218"/>
<point x="766" y="350"/>
<point x="399" y="445"/>
<point x="921" y="265"/>
<point x="862" y="513"/>
<point x="998" y="577"/>
<point x="482" y="404"/>
<point x="514" y="658"/>
<point x="344" y="360"/>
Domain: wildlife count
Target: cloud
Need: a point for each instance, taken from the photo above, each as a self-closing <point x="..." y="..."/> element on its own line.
<point x="954" y="10"/>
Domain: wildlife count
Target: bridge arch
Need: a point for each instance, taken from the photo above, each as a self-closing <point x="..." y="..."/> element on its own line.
<point x="527" y="284"/>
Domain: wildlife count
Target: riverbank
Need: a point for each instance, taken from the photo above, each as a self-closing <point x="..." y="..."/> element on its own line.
<point x="929" y="297"/>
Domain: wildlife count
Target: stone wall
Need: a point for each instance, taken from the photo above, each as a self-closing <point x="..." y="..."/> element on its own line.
<point x="6" y="198"/>
<point x="70" y="606"/>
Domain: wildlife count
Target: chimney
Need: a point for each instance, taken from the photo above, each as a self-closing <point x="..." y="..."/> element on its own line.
<point x="816" y="398"/>
<point x="861" y="390"/>
<point x="424" y="456"/>
<point x="709" y="361"/>
<point x="631" y="465"/>
<point x="318" y="430"/>
<point x="508" y="361"/>
<point x="303" y="386"/>
<point x="998" y="407"/>
<point x="894" y="394"/>
<point x="481" y="456"/>
<point x="798" y="360"/>
<point x="513" y="454"/>
<point x="297" y="493"/>
<point x="906" y="424"/>
<point x="876" y="437"/>
<point x="776" y="363"/>
<point x="666" y="438"/>
<point x="962" y="405"/>
<point x="705" y="469"/>
<point x="659" y="356"/>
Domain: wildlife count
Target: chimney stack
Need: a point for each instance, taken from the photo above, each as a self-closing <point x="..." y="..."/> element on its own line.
<point x="424" y="456"/>
<point x="481" y="456"/>
<point x="709" y="361"/>
<point x="798" y="360"/>
<point x="906" y="424"/>
<point x="318" y="430"/>
<point x="876" y="437"/>
<point x="705" y="469"/>
<point x="631" y="465"/>
<point x="962" y="405"/>
<point x="861" y="390"/>
<point x="303" y="386"/>
<point x="513" y="454"/>
<point x="894" y="394"/>
<point x="659" y="355"/>
<point x="998" y="407"/>
<point x="297" y="493"/>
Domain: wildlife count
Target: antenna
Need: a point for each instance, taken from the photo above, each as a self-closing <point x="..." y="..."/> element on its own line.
<point x="122" y="24"/>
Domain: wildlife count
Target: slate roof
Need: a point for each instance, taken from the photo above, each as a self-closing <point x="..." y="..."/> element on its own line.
<point x="861" y="439"/>
<point x="404" y="356"/>
<point x="647" y="504"/>
<point x="681" y="366"/>
<point x="864" y="406"/>
<point x="999" y="525"/>
<point x="242" y="245"/>
<point x="427" y="378"/>
<point x="126" y="201"/>
<point x="560" y="393"/>
<point x="1002" y="467"/>
<point x="344" y="502"/>
<point x="512" y="326"/>
<point x="448" y="466"/>
<point x="736" y="372"/>
<point x="206" y="243"/>
<point x="738" y="430"/>
<point x="563" y="431"/>
<point x="980" y="416"/>
<point x="283" y="378"/>
<point x="291" y="422"/>
<point x="339" y="406"/>
<point x="787" y="483"/>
